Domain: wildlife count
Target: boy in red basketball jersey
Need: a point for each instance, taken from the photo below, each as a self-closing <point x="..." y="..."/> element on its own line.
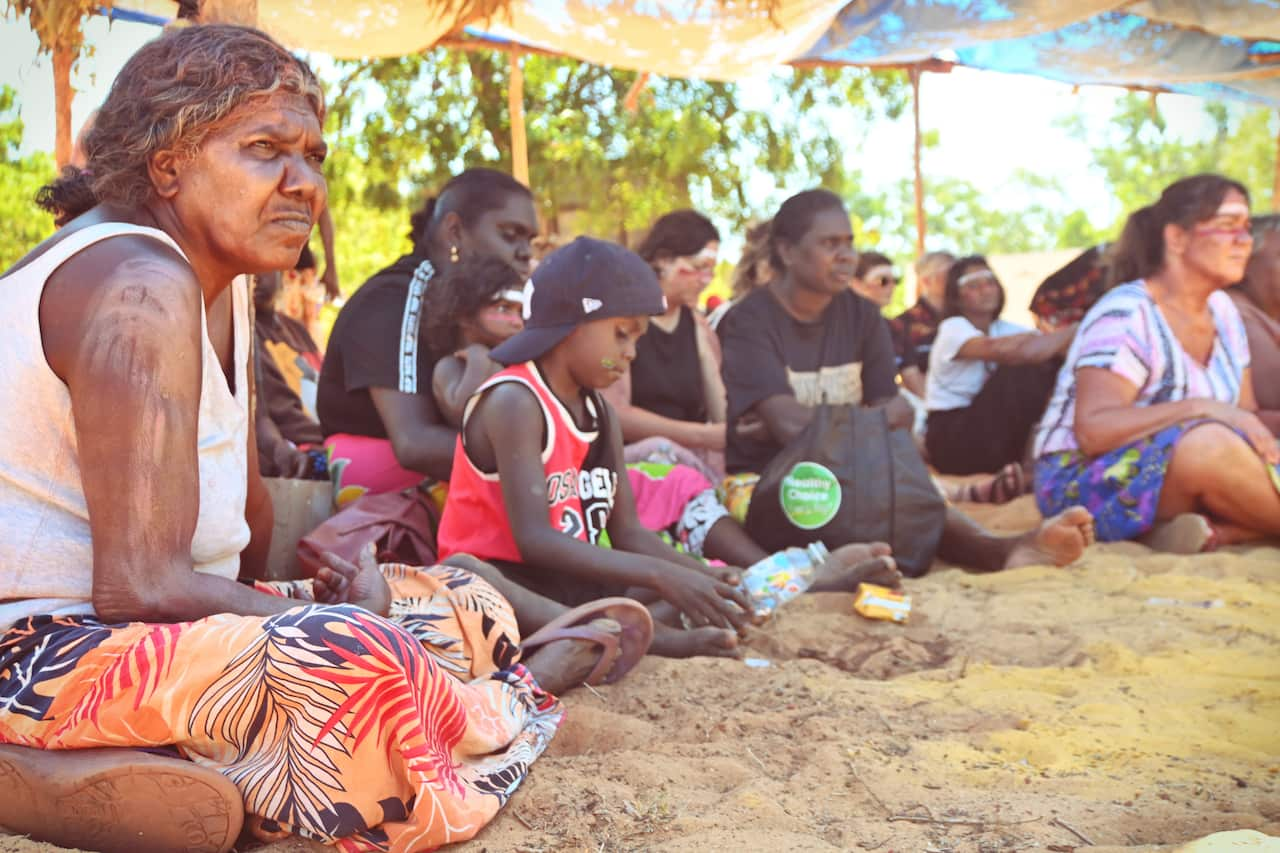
<point x="538" y="477"/>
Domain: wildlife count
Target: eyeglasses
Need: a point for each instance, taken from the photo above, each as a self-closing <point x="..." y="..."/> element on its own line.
<point x="977" y="278"/>
<point x="1241" y="233"/>
<point x="885" y="280"/>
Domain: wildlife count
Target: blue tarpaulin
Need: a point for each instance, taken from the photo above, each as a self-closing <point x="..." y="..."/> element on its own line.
<point x="1213" y="48"/>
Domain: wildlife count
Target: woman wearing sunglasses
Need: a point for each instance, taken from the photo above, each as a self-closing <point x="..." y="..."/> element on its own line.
<point x="988" y="381"/>
<point x="874" y="279"/>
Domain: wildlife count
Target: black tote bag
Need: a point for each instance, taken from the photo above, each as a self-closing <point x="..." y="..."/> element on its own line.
<point x="849" y="478"/>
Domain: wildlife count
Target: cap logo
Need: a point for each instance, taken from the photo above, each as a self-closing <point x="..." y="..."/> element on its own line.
<point x="527" y="299"/>
<point x="589" y="305"/>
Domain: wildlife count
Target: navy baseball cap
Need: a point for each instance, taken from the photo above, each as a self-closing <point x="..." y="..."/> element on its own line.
<point x="586" y="280"/>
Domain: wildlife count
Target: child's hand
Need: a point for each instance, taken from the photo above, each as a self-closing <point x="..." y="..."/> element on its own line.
<point x="472" y="352"/>
<point x="704" y="600"/>
<point x="731" y="575"/>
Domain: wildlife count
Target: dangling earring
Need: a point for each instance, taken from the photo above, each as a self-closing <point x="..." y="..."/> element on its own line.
<point x="453" y="254"/>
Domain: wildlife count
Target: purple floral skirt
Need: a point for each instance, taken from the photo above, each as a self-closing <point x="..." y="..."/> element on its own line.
<point x="1121" y="487"/>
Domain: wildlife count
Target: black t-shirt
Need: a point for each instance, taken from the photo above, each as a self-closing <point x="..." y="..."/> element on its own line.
<point x="376" y="342"/>
<point x="666" y="375"/>
<point x="768" y="352"/>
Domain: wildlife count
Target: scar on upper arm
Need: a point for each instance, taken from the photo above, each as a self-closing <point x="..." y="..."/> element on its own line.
<point x="135" y="326"/>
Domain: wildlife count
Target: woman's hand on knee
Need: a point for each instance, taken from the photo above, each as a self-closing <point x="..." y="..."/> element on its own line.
<point x="1255" y="431"/>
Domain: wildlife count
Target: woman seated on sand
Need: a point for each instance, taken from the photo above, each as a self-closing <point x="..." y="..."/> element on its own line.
<point x="672" y="392"/>
<point x="383" y="429"/>
<point x="1153" y="422"/>
<point x="988" y="381"/>
<point x="1258" y="298"/>
<point x="807" y="337"/>
<point x="388" y="708"/>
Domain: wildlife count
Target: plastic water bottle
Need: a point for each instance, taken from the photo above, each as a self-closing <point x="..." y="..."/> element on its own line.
<point x="780" y="577"/>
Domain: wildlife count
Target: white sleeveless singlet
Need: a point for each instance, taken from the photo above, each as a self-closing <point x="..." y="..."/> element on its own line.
<point x="46" y="553"/>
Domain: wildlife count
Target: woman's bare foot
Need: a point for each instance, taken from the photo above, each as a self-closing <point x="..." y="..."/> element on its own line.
<point x="1185" y="533"/>
<point x="851" y="565"/>
<point x="669" y="642"/>
<point x="1057" y="541"/>
<point x="562" y="664"/>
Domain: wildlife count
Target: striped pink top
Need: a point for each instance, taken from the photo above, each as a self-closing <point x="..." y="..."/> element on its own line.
<point x="1126" y="333"/>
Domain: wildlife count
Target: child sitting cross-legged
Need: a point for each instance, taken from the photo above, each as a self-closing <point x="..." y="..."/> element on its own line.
<point x="538" y="478"/>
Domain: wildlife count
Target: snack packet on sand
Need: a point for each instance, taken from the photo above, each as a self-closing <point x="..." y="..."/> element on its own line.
<point x="879" y="602"/>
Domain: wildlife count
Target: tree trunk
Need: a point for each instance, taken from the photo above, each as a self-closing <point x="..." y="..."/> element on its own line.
<point x="515" y="105"/>
<point x="921" y="227"/>
<point x="242" y="12"/>
<point x="63" y="59"/>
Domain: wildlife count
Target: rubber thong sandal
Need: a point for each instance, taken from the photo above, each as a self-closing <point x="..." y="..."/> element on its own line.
<point x="1009" y="484"/>
<point x="619" y="653"/>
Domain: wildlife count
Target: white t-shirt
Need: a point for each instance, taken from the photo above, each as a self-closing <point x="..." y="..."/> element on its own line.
<point x="951" y="382"/>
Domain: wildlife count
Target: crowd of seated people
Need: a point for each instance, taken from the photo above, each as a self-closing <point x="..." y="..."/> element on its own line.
<point x="592" y="441"/>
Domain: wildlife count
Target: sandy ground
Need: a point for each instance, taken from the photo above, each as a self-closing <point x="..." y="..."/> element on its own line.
<point x="1091" y="708"/>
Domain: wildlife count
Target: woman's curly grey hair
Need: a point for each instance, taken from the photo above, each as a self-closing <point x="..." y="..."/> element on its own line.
<point x="171" y="95"/>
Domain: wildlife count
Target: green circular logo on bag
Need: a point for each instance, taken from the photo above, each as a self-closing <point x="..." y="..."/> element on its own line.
<point x="810" y="495"/>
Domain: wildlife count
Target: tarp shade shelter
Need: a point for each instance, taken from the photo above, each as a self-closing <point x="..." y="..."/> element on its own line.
<point x="1211" y="48"/>
<point x="1217" y="48"/>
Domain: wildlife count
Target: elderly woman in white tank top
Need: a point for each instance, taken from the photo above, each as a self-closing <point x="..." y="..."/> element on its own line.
<point x="130" y="505"/>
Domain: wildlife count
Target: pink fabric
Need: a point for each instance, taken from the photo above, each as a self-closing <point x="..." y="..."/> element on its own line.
<point x="359" y="464"/>
<point x="660" y="501"/>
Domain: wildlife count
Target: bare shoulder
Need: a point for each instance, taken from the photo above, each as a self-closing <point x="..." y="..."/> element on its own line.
<point x="128" y="288"/>
<point x="509" y="406"/>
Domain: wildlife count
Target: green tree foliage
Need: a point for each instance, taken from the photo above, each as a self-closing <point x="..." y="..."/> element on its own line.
<point x="59" y="24"/>
<point x="399" y="127"/>
<point x="25" y="225"/>
<point x="1139" y="156"/>
<point x="961" y="217"/>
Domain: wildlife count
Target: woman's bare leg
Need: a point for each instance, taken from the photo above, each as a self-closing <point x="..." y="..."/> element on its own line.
<point x="1215" y="472"/>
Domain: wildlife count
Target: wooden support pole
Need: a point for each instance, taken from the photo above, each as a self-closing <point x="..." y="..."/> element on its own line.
<point x="921" y="227"/>
<point x="1275" y="184"/>
<point x="63" y="58"/>
<point x="242" y="12"/>
<point x="515" y="104"/>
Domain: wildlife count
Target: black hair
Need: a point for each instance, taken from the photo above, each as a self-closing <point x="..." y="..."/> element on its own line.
<point x="1139" y="252"/>
<point x="306" y="260"/>
<point x="867" y="261"/>
<point x="951" y="306"/>
<point x="795" y="216"/>
<point x="470" y="194"/>
<point x="677" y="235"/>
<point x="459" y="293"/>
